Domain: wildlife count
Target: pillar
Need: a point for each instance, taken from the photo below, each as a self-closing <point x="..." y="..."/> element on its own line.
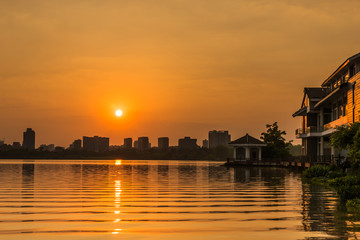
<point x="235" y="153"/>
<point x="247" y="153"/>
<point x="259" y="153"/>
<point x="321" y="146"/>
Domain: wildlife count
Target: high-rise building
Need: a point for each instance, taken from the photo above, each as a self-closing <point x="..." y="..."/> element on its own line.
<point x="143" y="143"/>
<point x="136" y="144"/>
<point x="219" y="138"/>
<point x="128" y="143"/>
<point x="76" y="145"/>
<point x="188" y="143"/>
<point x="29" y="139"/>
<point x="205" y="143"/>
<point x="96" y="144"/>
<point x="163" y="143"/>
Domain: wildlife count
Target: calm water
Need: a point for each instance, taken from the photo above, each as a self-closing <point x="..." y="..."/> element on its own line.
<point x="162" y="200"/>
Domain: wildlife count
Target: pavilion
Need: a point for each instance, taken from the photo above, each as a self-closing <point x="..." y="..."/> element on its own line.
<point x="247" y="148"/>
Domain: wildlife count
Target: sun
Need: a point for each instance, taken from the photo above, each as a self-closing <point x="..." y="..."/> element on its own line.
<point x="118" y="113"/>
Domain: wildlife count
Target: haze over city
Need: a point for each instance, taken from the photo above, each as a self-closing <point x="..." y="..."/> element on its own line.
<point x="175" y="68"/>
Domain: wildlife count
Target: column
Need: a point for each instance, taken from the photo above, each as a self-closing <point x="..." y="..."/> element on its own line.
<point x="321" y="146"/>
<point x="259" y="153"/>
<point x="247" y="153"/>
<point x="235" y="153"/>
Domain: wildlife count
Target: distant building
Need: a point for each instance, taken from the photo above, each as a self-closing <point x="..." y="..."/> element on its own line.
<point x="136" y="144"/>
<point x="47" y="148"/>
<point x="29" y="139"/>
<point x="76" y="145"/>
<point x="2" y="142"/>
<point x="219" y="138"/>
<point x="59" y="149"/>
<point x="128" y="143"/>
<point x="143" y="143"/>
<point x="205" y="143"/>
<point x="163" y="143"/>
<point x="115" y="147"/>
<point x="16" y="145"/>
<point x="96" y="144"/>
<point x="188" y="143"/>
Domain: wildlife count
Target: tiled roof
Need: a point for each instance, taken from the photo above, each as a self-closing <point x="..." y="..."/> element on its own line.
<point x="247" y="139"/>
<point x="315" y="92"/>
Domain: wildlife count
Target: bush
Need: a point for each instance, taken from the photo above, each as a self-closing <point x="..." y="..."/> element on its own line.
<point x="317" y="171"/>
<point x="348" y="180"/>
<point x="353" y="205"/>
<point x="349" y="192"/>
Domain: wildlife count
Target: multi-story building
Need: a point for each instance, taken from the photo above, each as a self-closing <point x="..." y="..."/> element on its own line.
<point x="96" y="144"/>
<point x="76" y="145"/>
<point x="29" y="139"/>
<point x="188" y="143"/>
<point x="335" y="103"/>
<point x="163" y="143"/>
<point x="143" y="143"/>
<point x="127" y="143"/>
<point x="205" y="143"/>
<point x="219" y="138"/>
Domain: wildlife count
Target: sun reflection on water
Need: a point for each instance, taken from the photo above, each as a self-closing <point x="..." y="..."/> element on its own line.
<point x="117" y="201"/>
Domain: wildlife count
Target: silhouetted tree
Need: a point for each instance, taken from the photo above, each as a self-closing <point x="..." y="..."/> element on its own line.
<point x="276" y="147"/>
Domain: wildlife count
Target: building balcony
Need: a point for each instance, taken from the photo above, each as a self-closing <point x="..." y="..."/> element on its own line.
<point x="307" y="132"/>
<point x="338" y="122"/>
<point x="327" y="129"/>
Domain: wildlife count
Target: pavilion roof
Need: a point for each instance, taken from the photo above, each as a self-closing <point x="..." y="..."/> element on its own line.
<point x="247" y="139"/>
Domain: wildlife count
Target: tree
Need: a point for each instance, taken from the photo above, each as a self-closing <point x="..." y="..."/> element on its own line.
<point x="277" y="147"/>
<point x="347" y="137"/>
<point x="343" y="137"/>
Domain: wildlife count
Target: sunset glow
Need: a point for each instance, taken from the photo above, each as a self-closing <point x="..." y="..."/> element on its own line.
<point x="118" y="113"/>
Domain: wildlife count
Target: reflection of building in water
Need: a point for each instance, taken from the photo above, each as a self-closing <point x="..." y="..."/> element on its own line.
<point x="319" y="213"/>
<point x="28" y="175"/>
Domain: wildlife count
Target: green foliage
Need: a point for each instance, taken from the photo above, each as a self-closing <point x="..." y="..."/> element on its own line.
<point x="353" y="205"/>
<point x="349" y="192"/>
<point x="295" y="150"/>
<point x="317" y="171"/>
<point x="222" y="152"/>
<point x="347" y="137"/>
<point x="348" y="180"/>
<point x="277" y="147"/>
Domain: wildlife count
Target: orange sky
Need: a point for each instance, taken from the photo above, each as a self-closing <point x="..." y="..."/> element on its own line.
<point x="176" y="67"/>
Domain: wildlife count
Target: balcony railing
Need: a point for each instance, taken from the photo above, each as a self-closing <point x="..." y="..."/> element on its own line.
<point x="311" y="129"/>
<point x="338" y="122"/>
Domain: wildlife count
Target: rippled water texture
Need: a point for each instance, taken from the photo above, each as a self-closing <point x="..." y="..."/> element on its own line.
<point x="162" y="200"/>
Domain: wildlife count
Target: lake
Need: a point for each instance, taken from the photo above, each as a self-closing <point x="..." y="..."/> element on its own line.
<point x="120" y="199"/>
